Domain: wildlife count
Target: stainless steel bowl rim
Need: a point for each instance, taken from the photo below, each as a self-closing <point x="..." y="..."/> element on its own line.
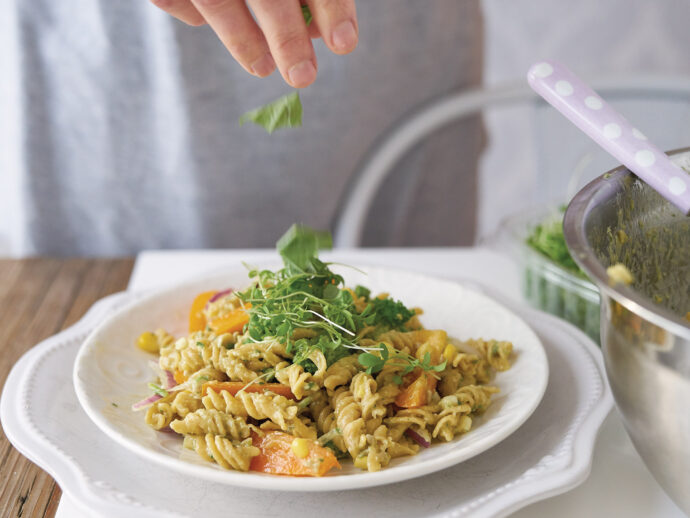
<point x="583" y="255"/>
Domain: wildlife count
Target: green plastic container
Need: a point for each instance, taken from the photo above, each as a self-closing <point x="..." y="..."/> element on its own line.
<point x="545" y="284"/>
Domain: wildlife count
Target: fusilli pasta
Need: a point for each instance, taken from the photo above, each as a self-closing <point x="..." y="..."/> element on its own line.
<point x="314" y="372"/>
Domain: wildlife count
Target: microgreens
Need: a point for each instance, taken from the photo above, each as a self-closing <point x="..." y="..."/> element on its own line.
<point x="329" y="436"/>
<point x="270" y="374"/>
<point x="259" y="379"/>
<point x="306" y="295"/>
<point x="339" y="454"/>
<point x="158" y="390"/>
<point x="374" y="363"/>
<point x="305" y="402"/>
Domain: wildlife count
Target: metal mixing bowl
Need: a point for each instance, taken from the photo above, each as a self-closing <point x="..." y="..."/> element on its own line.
<point x="645" y="332"/>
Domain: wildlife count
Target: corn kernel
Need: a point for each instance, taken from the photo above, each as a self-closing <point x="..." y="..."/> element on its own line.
<point x="449" y="352"/>
<point x="300" y="447"/>
<point x="148" y="342"/>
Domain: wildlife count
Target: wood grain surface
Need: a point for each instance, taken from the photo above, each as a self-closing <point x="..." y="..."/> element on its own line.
<point x="38" y="298"/>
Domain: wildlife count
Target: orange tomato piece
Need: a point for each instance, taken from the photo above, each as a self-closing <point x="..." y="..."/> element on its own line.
<point x="230" y="323"/>
<point x="279" y="458"/>
<point x="416" y="393"/>
<point x="235" y="386"/>
<point x="197" y="320"/>
<point x="179" y="376"/>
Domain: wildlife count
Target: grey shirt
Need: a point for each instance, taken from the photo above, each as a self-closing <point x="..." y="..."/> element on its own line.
<point x="123" y="128"/>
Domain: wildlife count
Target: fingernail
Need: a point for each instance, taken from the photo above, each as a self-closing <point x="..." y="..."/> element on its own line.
<point x="302" y="73"/>
<point x="344" y="35"/>
<point x="264" y="65"/>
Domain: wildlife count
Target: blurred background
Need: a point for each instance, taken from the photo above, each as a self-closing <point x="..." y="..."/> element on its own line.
<point x="118" y="124"/>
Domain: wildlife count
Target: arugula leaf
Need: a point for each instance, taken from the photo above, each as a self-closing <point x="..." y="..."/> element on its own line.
<point x="284" y="112"/>
<point x="307" y="14"/>
<point x="299" y="247"/>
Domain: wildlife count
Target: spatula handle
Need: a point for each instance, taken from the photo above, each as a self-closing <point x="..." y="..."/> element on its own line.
<point x="608" y="128"/>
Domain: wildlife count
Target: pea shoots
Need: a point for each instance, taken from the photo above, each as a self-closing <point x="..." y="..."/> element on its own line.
<point x="408" y="363"/>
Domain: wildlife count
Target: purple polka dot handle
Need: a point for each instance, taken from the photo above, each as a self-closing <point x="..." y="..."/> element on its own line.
<point x="589" y="112"/>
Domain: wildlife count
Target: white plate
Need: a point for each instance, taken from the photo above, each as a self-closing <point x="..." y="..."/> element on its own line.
<point x="110" y="370"/>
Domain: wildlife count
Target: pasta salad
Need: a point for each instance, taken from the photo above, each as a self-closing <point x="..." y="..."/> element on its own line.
<point x="298" y="372"/>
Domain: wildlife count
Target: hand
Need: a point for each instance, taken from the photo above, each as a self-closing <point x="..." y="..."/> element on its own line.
<point x="281" y="36"/>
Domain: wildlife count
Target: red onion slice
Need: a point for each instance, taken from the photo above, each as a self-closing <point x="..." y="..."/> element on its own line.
<point x="146" y="402"/>
<point x="219" y="295"/>
<point x="417" y="438"/>
<point x="166" y="377"/>
<point x="169" y="380"/>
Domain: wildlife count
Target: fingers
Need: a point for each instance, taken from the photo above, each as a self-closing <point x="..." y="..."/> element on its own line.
<point x="234" y="25"/>
<point x="183" y="10"/>
<point x="337" y="23"/>
<point x="283" y="39"/>
<point x="313" y="30"/>
<point x="283" y="24"/>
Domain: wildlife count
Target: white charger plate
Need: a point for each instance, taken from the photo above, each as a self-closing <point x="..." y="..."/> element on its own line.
<point x="551" y="453"/>
<point x="110" y="374"/>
